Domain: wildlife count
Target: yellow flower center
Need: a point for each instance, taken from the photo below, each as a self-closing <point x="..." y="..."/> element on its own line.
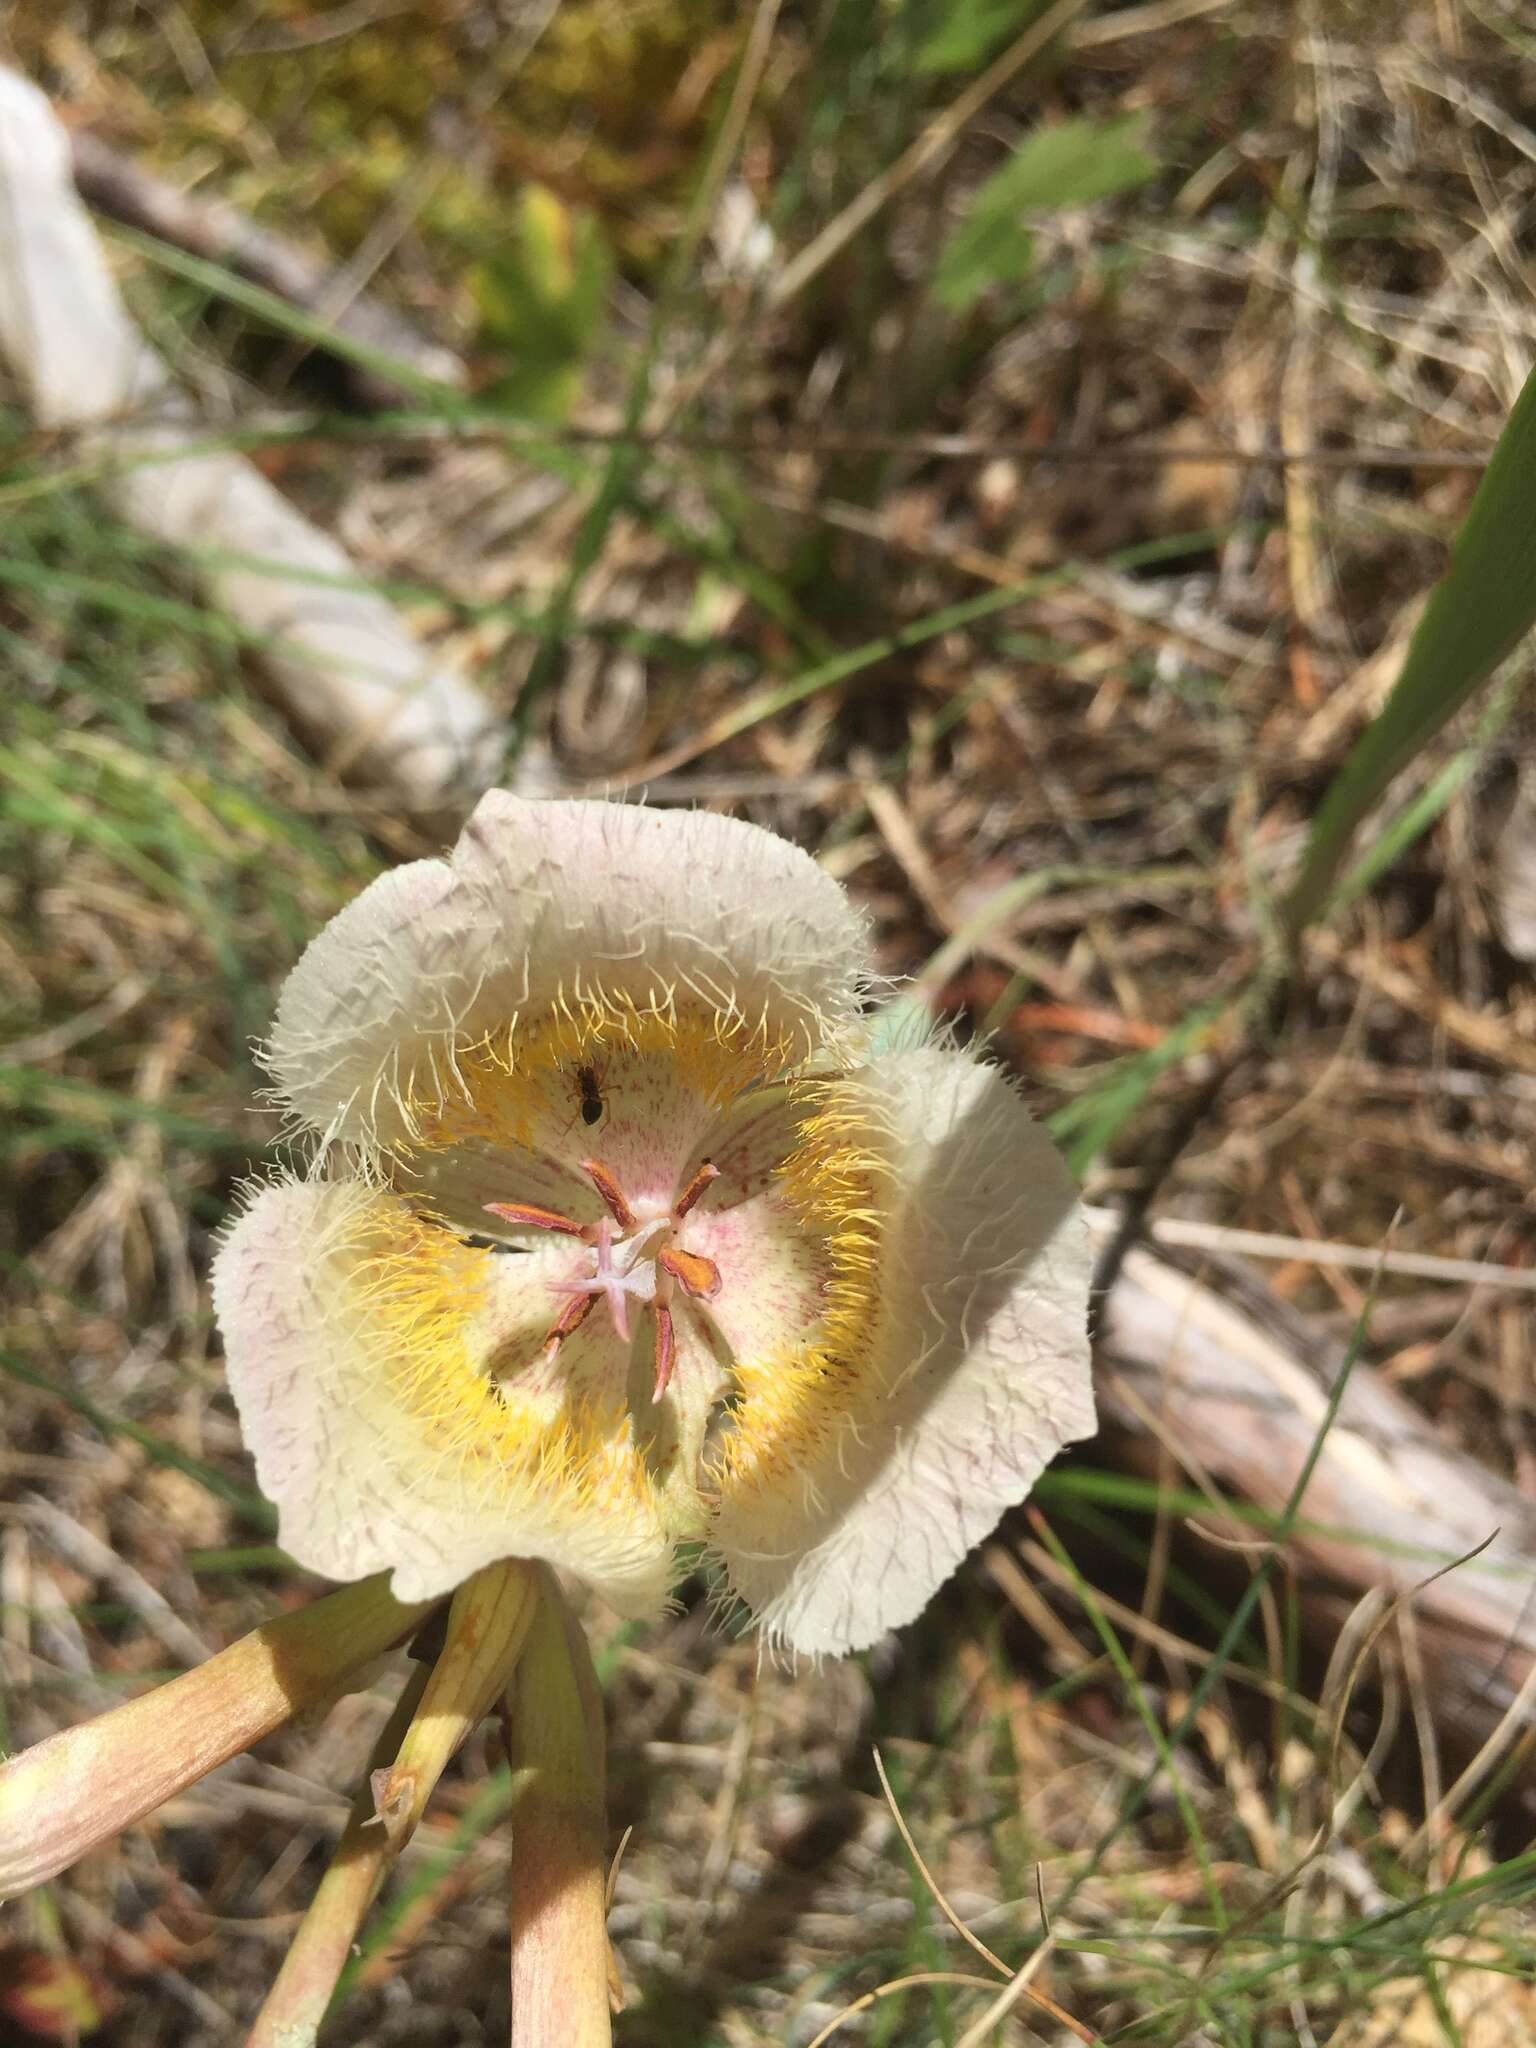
<point x="665" y="1167"/>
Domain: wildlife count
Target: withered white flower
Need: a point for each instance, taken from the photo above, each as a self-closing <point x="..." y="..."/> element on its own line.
<point x="622" y="1235"/>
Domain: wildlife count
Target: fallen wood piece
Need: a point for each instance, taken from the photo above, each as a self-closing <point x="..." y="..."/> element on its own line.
<point x="1513" y="879"/>
<point x="114" y="185"/>
<point x="1240" y="1383"/>
<point x="338" y="657"/>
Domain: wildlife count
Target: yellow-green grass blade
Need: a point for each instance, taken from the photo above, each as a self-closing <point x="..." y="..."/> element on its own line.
<point x="1476" y="616"/>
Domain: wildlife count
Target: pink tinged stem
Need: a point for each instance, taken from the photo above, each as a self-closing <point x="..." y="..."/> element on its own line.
<point x="610" y="1281"/>
<point x="528" y="1216"/>
<point x="611" y="1192"/>
<point x="665" y="1352"/>
<point x="561" y="1970"/>
<point x="694" y="1189"/>
<point x="70" y="1793"/>
<point x="487" y="1626"/>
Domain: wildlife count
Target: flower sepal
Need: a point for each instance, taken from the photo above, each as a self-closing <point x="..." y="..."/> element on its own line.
<point x="71" y="1792"/>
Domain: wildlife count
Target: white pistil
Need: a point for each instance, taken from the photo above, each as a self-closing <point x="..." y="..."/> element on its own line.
<point x="621" y="1271"/>
<point x="643" y="1264"/>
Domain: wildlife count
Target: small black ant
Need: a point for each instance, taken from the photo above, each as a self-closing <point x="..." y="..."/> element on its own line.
<point x="591" y="1094"/>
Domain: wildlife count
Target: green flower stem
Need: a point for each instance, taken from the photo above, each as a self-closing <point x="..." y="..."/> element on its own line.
<point x="554" y="1716"/>
<point x="296" y="2004"/>
<point x="487" y="1625"/>
<point x="70" y="1793"/>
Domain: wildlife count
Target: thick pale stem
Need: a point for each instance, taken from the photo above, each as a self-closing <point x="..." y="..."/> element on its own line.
<point x="302" y="1990"/>
<point x="73" y="1791"/>
<point x="486" y="1628"/>
<point x="559" y="1872"/>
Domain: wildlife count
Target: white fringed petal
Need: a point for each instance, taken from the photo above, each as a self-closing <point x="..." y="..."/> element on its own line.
<point x="977" y="1372"/>
<point x="354" y="1475"/>
<point x="544" y="901"/>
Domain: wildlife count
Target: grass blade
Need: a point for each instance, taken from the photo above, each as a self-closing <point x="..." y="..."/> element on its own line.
<point x="1476" y="616"/>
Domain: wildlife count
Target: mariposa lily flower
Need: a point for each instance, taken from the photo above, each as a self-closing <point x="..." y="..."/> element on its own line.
<point x="621" y="1235"/>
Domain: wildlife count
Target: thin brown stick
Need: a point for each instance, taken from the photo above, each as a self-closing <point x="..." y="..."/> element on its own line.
<point x="1019" y="1984"/>
<point x="218" y="233"/>
<point x="928" y="1877"/>
<point x="888" y="1990"/>
<point x="1020" y="1987"/>
<point x="317" y="430"/>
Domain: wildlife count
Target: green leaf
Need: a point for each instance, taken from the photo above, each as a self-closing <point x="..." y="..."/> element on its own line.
<point x="541" y="302"/>
<point x="1067" y="164"/>
<point x="970" y="31"/>
<point x="1477" y="615"/>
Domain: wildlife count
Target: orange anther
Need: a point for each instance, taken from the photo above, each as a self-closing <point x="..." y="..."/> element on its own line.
<point x="571" y="1317"/>
<point x="611" y="1192"/>
<point x="701" y="1180"/>
<point x="530" y="1217"/>
<point x="697" y="1275"/>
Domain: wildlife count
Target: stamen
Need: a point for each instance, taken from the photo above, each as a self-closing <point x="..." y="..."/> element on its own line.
<point x="699" y="1276"/>
<point x="531" y="1217"/>
<point x="611" y="1192"/>
<point x="570" y="1318"/>
<point x="701" y="1180"/>
<point x="664" y="1351"/>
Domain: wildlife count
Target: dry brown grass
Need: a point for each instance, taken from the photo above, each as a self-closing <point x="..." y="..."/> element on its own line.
<point x="1335" y="258"/>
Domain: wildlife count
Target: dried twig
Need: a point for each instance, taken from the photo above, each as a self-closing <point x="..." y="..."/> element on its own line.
<point x="218" y="233"/>
<point x="1243" y="1381"/>
<point x="337" y="655"/>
